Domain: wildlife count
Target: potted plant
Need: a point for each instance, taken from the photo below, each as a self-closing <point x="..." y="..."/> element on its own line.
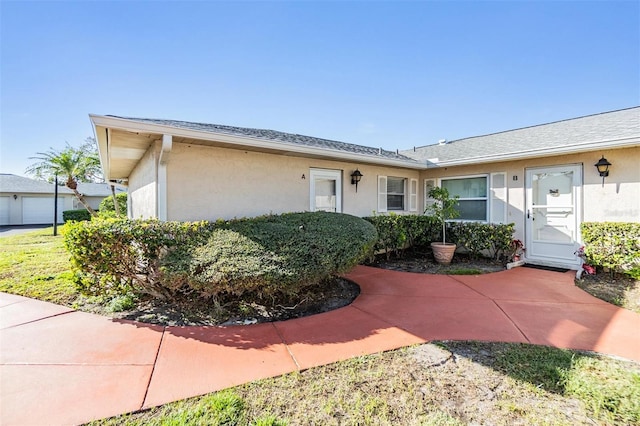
<point x="443" y="209"/>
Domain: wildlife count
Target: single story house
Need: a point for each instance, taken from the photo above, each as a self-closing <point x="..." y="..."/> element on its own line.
<point x="25" y="201"/>
<point x="542" y="178"/>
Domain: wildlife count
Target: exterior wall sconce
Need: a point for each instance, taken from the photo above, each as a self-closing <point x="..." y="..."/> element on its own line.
<point x="15" y="196"/>
<point x="355" y="178"/>
<point x="603" y="168"/>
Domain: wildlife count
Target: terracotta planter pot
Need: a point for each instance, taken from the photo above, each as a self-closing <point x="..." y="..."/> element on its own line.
<point x="443" y="253"/>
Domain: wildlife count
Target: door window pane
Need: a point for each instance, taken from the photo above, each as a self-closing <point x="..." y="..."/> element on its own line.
<point x="553" y="189"/>
<point x="325" y="194"/>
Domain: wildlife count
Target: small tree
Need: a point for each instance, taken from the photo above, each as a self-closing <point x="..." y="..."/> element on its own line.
<point x="72" y="164"/>
<point x="108" y="207"/>
<point x="443" y="209"/>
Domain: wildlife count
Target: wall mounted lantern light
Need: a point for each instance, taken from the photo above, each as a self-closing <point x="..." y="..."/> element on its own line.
<point x="15" y="196"/>
<point x="603" y="168"/>
<point x="355" y="178"/>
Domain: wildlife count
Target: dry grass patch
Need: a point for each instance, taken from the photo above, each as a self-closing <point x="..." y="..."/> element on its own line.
<point x="450" y="383"/>
<point x="616" y="289"/>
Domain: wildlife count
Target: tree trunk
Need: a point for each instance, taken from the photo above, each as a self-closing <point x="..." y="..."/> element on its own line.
<point x="115" y="200"/>
<point x="80" y="198"/>
<point x="73" y="185"/>
<point x="444" y="232"/>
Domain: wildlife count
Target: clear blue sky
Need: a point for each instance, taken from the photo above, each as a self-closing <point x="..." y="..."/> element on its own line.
<point x="383" y="74"/>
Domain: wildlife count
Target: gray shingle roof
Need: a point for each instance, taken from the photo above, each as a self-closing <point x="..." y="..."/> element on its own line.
<point x="19" y="184"/>
<point x="608" y="126"/>
<point x="276" y="136"/>
<point x="92" y="189"/>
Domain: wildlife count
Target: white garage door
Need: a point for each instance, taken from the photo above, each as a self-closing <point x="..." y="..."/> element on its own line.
<point x="4" y="210"/>
<point x="39" y="210"/>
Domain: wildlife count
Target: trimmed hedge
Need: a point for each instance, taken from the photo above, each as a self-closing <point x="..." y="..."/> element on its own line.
<point x="267" y="256"/>
<point x="614" y="245"/>
<point x="399" y="232"/>
<point x="116" y="256"/>
<point x="76" y="215"/>
<point x="272" y="254"/>
<point x="480" y="239"/>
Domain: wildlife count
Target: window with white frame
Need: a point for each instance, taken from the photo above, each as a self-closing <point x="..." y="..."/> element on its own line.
<point x="473" y="201"/>
<point x="395" y="193"/>
<point x="393" y="196"/>
<point x="482" y="197"/>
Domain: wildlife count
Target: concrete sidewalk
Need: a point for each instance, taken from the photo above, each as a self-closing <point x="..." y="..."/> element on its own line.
<point x="59" y="366"/>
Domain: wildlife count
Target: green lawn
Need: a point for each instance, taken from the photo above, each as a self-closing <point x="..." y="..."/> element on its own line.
<point x="479" y="383"/>
<point x="36" y="265"/>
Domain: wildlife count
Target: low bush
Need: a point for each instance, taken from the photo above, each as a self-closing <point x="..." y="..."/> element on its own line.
<point x="107" y="207"/>
<point x="76" y="215"/>
<point x="613" y="245"/>
<point x="118" y="256"/>
<point x="483" y="239"/>
<point x="398" y="232"/>
<point x="267" y="256"/>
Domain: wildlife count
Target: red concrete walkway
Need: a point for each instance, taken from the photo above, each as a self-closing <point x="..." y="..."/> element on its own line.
<point x="59" y="366"/>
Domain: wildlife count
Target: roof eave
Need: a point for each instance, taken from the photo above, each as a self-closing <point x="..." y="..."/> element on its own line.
<point x="100" y="133"/>
<point x="544" y="152"/>
<point x="105" y="122"/>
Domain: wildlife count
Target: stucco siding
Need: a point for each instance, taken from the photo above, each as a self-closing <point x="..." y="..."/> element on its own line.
<point x="143" y="188"/>
<point x="617" y="201"/>
<point x="212" y="183"/>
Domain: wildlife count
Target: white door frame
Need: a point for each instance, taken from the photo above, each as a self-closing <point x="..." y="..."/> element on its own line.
<point x="325" y="174"/>
<point x="548" y="251"/>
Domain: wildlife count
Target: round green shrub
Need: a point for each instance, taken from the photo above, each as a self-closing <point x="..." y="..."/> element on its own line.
<point x="107" y="207"/>
<point x="272" y="255"/>
<point x="267" y="256"/>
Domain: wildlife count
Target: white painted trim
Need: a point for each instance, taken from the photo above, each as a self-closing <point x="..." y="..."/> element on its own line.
<point x="327" y="174"/>
<point x="413" y="195"/>
<point x="382" y="194"/>
<point x="247" y="141"/>
<point x="102" y="139"/>
<point x="137" y="126"/>
<point x="545" y="259"/>
<point x="498" y="194"/>
<point x="163" y="159"/>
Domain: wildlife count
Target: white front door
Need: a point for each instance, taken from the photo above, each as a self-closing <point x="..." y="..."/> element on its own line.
<point x="553" y="215"/>
<point x="326" y="190"/>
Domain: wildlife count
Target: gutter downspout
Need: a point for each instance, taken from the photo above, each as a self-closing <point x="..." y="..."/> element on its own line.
<point x="163" y="159"/>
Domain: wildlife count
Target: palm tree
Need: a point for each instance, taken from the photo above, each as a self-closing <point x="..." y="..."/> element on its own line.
<point x="72" y="164"/>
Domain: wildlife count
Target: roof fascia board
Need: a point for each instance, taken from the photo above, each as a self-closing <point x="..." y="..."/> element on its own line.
<point x="102" y="141"/>
<point x="137" y="126"/>
<point x="546" y="152"/>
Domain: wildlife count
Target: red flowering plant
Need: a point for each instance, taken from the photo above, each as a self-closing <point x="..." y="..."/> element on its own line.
<point x="517" y="249"/>
<point x="586" y="268"/>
